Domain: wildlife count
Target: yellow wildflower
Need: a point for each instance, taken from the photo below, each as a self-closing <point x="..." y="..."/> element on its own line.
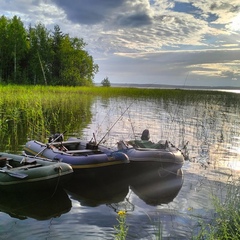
<point x="121" y="213"/>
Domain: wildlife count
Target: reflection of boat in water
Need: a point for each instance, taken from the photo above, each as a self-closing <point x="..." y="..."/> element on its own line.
<point x="38" y="205"/>
<point x="94" y="193"/>
<point x="155" y="175"/>
<point x="86" y="163"/>
<point x="155" y="190"/>
<point x="24" y="173"/>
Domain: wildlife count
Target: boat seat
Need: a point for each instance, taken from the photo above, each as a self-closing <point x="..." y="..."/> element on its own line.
<point x="80" y="151"/>
<point x="27" y="161"/>
<point x="29" y="166"/>
<point x="148" y="149"/>
<point x="31" y="161"/>
<point x="65" y="143"/>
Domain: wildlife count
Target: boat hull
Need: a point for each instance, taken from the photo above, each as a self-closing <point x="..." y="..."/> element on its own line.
<point x="146" y="160"/>
<point x="85" y="163"/>
<point x="37" y="175"/>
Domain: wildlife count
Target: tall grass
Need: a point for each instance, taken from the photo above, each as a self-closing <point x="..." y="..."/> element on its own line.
<point x="27" y="112"/>
<point x="193" y="95"/>
<point x="226" y="223"/>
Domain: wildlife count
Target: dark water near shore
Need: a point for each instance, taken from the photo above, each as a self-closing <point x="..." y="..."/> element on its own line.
<point x="212" y="130"/>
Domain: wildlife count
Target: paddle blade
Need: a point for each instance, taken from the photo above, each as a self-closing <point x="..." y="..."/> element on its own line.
<point x="15" y="174"/>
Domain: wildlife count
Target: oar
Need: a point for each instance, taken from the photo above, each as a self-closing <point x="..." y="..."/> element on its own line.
<point x="14" y="174"/>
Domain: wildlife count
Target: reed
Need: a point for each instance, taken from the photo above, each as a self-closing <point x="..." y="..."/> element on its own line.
<point x="27" y="112"/>
<point x="226" y="221"/>
<point x="194" y="95"/>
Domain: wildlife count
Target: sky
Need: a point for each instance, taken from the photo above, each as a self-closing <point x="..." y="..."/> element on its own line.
<point x="182" y="42"/>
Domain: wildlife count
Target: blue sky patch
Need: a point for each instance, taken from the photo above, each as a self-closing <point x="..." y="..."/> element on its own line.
<point x="187" y="8"/>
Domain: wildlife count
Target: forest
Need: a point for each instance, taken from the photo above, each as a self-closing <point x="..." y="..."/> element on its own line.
<point x="38" y="56"/>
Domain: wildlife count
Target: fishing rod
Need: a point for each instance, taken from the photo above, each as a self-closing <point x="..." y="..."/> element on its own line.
<point x="114" y="124"/>
<point x="49" y="144"/>
<point x="132" y="126"/>
<point x="99" y="126"/>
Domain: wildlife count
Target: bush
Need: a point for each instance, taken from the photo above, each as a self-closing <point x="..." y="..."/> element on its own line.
<point x="105" y="82"/>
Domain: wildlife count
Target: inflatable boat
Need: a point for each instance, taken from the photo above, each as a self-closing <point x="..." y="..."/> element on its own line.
<point x="24" y="173"/>
<point x="167" y="158"/>
<point x="85" y="162"/>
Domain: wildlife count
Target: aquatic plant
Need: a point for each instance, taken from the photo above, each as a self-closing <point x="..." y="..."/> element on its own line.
<point x="226" y="221"/>
<point x="35" y="112"/>
<point x="122" y="228"/>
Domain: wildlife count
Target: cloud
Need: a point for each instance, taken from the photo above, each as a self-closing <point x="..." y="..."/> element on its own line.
<point x="174" y="66"/>
<point x="134" y="20"/>
<point x="88" y="11"/>
<point x="224" y="10"/>
<point x="151" y="39"/>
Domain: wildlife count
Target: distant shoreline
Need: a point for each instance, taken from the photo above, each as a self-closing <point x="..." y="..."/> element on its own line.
<point x="163" y="86"/>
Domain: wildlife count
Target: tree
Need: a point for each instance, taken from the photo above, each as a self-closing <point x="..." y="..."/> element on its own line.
<point x="17" y="41"/>
<point x="4" y="53"/>
<point x="105" y="82"/>
<point x="13" y="49"/>
<point x="38" y="56"/>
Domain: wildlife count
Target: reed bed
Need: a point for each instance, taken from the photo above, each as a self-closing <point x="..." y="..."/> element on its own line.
<point x="193" y="95"/>
<point x="29" y="111"/>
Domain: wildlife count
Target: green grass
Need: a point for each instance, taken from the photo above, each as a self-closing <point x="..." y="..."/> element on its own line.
<point x="226" y="224"/>
<point x="27" y="112"/>
<point x="31" y="91"/>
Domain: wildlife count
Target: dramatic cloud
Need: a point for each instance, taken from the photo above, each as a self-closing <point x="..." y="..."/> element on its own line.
<point x="88" y="11"/>
<point x="148" y="41"/>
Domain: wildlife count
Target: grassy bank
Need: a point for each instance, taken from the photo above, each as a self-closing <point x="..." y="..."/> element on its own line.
<point x="31" y="91"/>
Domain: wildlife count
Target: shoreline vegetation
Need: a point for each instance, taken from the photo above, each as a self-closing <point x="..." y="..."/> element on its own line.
<point x="19" y="103"/>
<point x="133" y="91"/>
<point x="164" y="86"/>
<point x="36" y="55"/>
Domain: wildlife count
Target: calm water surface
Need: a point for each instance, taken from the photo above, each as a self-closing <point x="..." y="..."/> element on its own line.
<point x="212" y="131"/>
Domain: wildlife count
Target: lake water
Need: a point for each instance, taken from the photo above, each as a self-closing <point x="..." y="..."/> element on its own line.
<point x="213" y="135"/>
